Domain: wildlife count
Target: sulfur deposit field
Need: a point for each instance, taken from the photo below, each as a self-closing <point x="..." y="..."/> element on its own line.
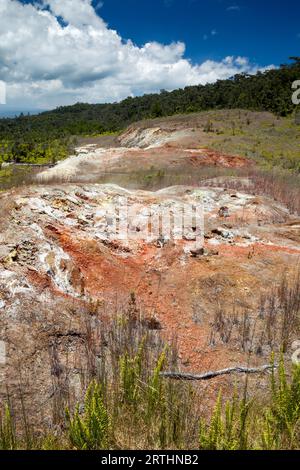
<point x="64" y="269"/>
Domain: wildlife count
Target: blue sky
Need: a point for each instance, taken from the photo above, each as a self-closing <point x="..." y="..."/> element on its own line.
<point x="266" y="31"/>
<point x="59" y="52"/>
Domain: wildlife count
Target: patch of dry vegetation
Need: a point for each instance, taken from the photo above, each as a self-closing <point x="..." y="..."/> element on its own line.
<point x="126" y="403"/>
<point x="272" y="327"/>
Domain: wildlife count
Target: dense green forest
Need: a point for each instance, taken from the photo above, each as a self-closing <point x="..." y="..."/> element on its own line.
<point x="48" y="136"/>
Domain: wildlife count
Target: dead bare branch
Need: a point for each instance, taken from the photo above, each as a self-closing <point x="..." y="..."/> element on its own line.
<point x="212" y="374"/>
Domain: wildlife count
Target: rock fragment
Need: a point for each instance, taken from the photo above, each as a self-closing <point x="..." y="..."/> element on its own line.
<point x="224" y="212"/>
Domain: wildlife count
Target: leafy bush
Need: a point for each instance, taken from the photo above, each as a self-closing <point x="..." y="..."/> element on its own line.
<point x="89" y="430"/>
<point x="281" y="421"/>
<point x="7" y="430"/>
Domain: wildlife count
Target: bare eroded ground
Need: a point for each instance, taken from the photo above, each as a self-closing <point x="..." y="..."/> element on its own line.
<point x="60" y="263"/>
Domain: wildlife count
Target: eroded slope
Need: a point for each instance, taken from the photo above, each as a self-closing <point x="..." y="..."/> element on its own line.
<point x="59" y="258"/>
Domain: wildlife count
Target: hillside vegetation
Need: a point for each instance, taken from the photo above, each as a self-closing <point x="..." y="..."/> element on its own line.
<point x="47" y="136"/>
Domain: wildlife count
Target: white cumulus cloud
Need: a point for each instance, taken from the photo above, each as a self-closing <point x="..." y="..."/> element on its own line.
<point x="55" y="52"/>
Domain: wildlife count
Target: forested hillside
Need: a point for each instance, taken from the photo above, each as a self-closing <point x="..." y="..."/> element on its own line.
<point x="46" y="136"/>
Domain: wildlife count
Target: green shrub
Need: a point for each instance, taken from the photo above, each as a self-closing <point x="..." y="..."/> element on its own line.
<point x="90" y="430"/>
<point x="281" y="421"/>
<point x="226" y="430"/>
<point x="7" y="430"/>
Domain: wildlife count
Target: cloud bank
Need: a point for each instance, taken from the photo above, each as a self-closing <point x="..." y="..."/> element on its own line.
<point x="55" y="52"/>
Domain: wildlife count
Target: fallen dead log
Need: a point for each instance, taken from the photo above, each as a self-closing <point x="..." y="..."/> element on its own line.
<point x="212" y="374"/>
